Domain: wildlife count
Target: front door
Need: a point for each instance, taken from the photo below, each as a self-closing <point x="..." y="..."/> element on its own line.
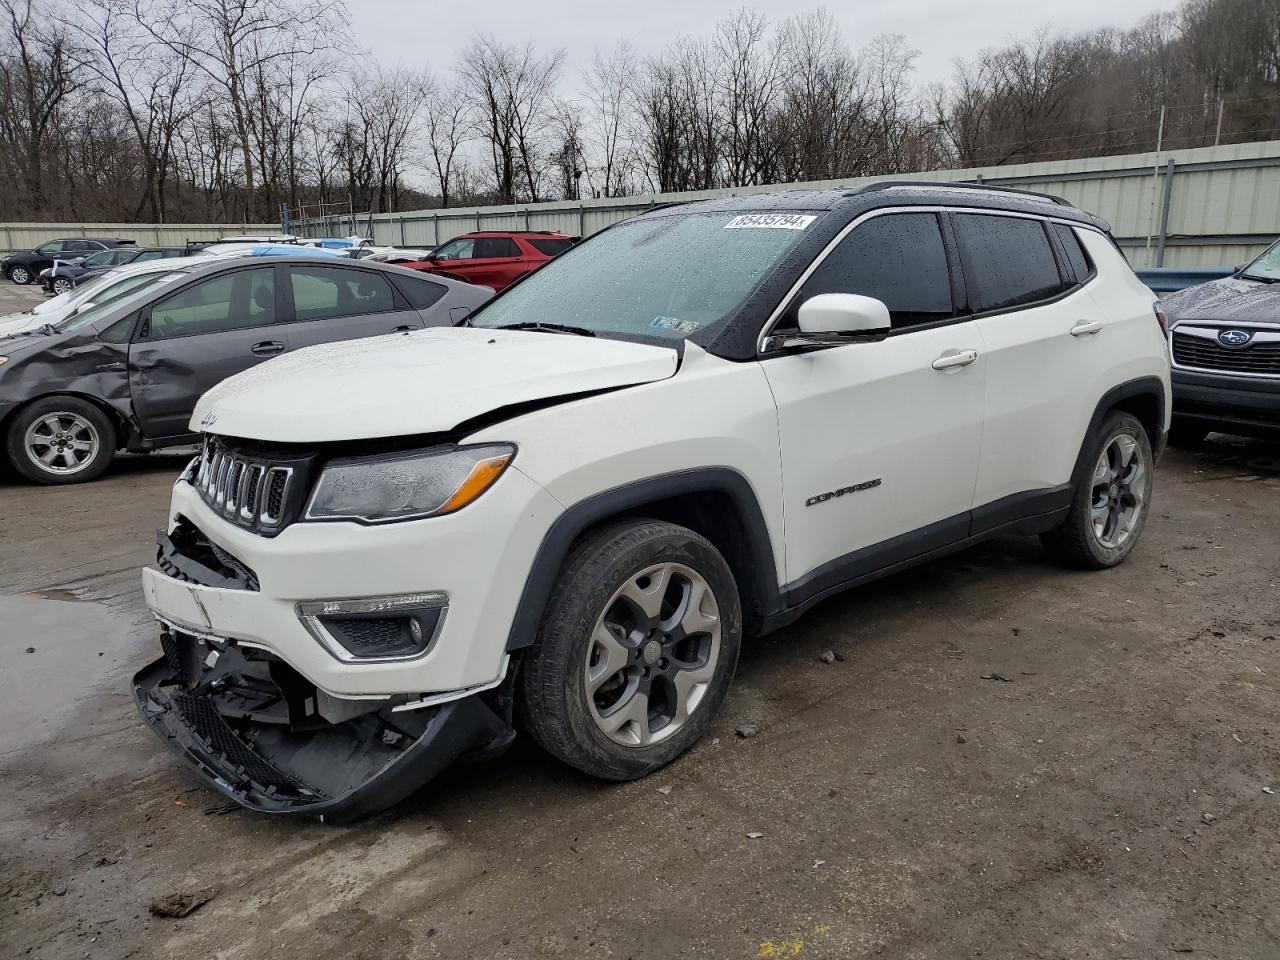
<point x="880" y="441"/>
<point x="197" y="337"/>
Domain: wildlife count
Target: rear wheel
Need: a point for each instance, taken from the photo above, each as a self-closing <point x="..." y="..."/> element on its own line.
<point x="19" y="274"/>
<point x="61" y="440"/>
<point x="636" y="652"/>
<point x="1109" y="508"/>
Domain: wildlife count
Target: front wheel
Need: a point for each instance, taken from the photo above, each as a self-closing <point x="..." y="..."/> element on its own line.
<point x="20" y="274"/>
<point x="61" y="285"/>
<point x="1109" y="507"/>
<point x="636" y="651"/>
<point x="61" y="440"/>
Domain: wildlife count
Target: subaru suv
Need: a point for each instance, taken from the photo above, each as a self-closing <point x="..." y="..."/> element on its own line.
<point x="1225" y="342"/>
<point x="564" y="515"/>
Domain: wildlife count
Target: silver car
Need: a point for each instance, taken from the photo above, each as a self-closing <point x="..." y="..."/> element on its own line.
<point x="126" y="374"/>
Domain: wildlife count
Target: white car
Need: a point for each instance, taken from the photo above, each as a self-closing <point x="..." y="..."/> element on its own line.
<point x="564" y="516"/>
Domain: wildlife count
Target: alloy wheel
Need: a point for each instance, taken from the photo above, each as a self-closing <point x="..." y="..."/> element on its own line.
<point x="653" y="654"/>
<point x="61" y="285"/>
<point x="19" y="275"/>
<point x="62" y="443"/>
<point x="1119" y="491"/>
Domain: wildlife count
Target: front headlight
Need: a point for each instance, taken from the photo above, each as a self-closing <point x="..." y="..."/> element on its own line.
<point x="407" y="486"/>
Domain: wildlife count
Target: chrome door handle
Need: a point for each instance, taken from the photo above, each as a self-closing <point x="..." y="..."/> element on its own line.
<point x="267" y="348"/>
<point x="955" y="358"/>
<point x="1085" y="327"/>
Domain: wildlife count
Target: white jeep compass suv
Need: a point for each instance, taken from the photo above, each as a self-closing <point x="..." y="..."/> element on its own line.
<point x="564" y="515"/>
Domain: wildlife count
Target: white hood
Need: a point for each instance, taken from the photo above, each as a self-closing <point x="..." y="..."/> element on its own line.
<point x="427" y="381"/>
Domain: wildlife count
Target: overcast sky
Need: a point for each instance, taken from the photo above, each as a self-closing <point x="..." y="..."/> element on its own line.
<point x="428" y="33"/>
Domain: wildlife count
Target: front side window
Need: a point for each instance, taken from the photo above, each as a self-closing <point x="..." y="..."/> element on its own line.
<point x="1008" y="261"/>
<point x="455" y="250"/>
<point x="232" y="301"/>
<point x="53" y="246"/>
<point x="655" y="278"/>
<point x="897" y="258"/>
<point x="323" y="292"/>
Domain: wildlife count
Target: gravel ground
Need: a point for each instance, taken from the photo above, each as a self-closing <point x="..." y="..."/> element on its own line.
<point x="1109" y="800"/>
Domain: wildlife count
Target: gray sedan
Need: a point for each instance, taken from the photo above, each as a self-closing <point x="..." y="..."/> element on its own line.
<point x="126" y="373"/>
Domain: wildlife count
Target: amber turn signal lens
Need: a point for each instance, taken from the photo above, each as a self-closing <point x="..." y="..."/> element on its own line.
<point x="480" y="479"/>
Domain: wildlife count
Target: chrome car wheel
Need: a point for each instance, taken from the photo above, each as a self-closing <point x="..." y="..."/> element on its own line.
<point x="1119" y="491"/>
<point x="61" y="285"/>
<point x="653" y="654"/>
<point x="20" y="275"/>
<point x="62" y="443"/>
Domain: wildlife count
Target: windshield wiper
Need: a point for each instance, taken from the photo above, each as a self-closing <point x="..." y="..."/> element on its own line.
<point x="1254" y="276"/>
<point x="48" y="329"/>
<point x="549" y="327"/>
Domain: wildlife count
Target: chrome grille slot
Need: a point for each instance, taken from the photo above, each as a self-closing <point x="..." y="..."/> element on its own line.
<point x="1259" y="357"/>
<point x="252" y="491"/>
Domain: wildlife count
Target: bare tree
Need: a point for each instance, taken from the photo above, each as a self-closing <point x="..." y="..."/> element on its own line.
<point x="608" y="84"/>
<point x="446" y="127"/>
<point x="510" y="91"/>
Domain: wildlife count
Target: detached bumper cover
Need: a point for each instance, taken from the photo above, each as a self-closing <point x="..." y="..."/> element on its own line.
<point x="250" y="727"/>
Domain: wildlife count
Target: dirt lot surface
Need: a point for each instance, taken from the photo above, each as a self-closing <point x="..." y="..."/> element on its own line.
<point x="1110" y="798"/>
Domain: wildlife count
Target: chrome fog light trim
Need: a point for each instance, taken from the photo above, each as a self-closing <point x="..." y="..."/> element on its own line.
<point x="310" y="613"/>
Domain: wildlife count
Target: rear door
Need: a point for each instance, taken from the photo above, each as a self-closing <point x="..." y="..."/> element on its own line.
<point x="343" y="303"/>
<point x="497" y="262"/>
<point x="1041" y="327"/>
<point x="198" y="336"/>
<point x="880" y="440"/>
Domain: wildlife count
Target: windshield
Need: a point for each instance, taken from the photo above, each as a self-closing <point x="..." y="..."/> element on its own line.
<point x="1266" y="266"/>
<point x="666" y="277"/>
<point x="127" y="291"/>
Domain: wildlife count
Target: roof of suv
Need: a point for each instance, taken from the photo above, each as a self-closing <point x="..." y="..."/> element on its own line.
<point x="517" y="233"/>
<point x="886" y="193"/>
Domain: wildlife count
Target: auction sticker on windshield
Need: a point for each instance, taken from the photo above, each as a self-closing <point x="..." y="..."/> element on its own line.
<point x="771" y="221"/>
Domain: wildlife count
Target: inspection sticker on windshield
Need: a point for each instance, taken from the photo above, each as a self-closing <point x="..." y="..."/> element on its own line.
<point x="771" y="221"/>
<point x="674" y="323"/>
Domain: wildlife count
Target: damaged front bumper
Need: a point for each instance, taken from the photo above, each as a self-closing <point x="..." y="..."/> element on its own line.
<point x="263" y="736"/>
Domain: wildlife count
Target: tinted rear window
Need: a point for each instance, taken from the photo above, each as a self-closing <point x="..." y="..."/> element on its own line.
<point x="496" y="247"/>
<point x="1008" y="261"/>
<point x="549" y="246"/>
<point x="1076" y="257"/>
<point x="899" y="259"/>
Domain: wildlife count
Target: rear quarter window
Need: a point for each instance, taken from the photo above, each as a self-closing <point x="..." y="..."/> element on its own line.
<point x="550" y="246"/>
<point x="420" y="293"/>
<point x="1008" y="261"/>
<point x="1077" y="259"/>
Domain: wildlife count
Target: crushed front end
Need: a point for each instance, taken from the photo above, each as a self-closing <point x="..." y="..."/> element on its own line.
<point x="264" y="736"/>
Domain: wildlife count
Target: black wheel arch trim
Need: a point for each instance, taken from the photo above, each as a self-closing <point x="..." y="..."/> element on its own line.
<point x="1151" y="387"/>
<point x="629" y="498"/>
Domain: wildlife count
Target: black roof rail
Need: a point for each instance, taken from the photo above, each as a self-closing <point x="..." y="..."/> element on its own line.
<point x="958" y="185"/>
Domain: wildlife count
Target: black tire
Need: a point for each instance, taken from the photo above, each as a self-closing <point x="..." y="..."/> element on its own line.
<point x="88" y="421"/>
<point x="21" y="274"/>
<point x="552" y="697"/>
<point x="1077" y="542"/>
<point x="1186" y="434"/>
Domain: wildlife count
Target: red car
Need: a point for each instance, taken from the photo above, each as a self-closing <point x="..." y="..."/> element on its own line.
<point x="494" y="258"/>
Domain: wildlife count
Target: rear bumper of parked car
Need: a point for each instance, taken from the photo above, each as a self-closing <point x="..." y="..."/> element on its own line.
<point x="1226" y="402"/>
